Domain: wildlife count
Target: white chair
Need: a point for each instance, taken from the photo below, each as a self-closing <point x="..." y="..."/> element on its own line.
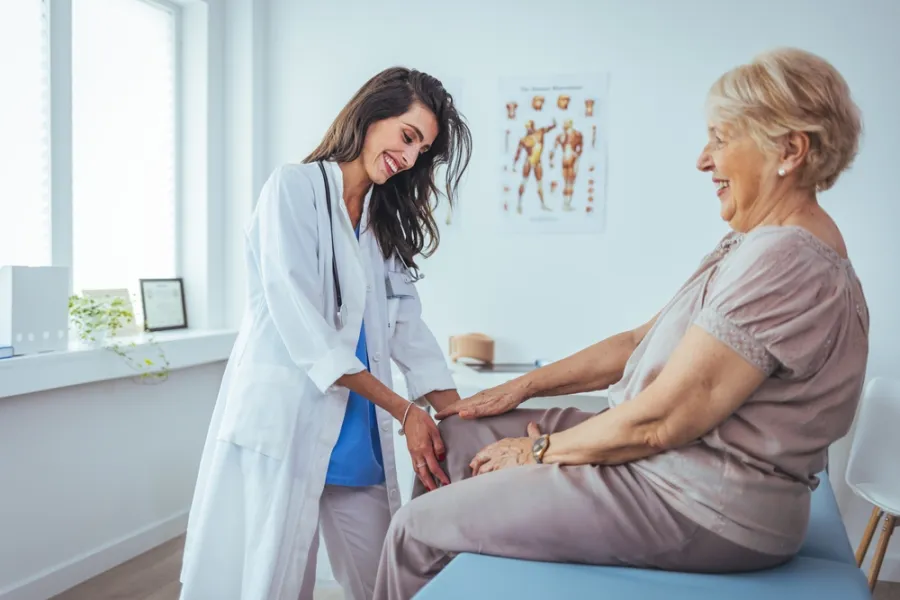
<point x="873" y="470"/>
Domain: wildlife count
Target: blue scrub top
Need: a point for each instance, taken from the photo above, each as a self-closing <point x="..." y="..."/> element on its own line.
<point x="356" y="459"/>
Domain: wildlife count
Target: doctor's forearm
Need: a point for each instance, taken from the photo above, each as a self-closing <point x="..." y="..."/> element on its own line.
<point x="441" y="399"/>
<point x="368" y="386"/>
<point x="594" y="368"/>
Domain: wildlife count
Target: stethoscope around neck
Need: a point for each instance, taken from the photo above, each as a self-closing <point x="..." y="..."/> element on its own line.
<point x="411" y="275"/>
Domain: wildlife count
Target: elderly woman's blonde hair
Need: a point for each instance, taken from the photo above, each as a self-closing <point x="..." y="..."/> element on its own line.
<point x="789" y="90"/>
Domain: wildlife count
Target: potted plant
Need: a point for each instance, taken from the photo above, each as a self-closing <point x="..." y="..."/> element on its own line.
<point x="97" y="321"/>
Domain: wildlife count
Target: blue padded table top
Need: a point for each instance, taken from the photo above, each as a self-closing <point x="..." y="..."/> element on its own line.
<point x="474" y="577"/>
<point x="826" y="536"/>
<point x="824" y="569"/>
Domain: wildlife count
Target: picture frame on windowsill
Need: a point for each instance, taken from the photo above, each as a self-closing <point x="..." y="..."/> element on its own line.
<point x="163" y="303"/>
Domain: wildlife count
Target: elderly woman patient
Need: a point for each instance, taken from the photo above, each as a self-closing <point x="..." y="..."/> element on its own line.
<point x="722" y="406"/>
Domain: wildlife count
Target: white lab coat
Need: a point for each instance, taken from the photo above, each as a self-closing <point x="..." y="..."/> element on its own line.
<point x="279" y="411"/>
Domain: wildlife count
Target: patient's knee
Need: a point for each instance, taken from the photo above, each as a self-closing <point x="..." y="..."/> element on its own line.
<point x="462" y="439"/>
<point x="451" y="424"/>
<point x="457" y="433"/>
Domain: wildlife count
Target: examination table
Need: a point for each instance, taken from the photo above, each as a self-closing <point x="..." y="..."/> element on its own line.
<point x="824" y="569"/>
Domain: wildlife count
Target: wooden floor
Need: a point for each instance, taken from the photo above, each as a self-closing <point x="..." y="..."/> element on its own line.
<point x="151" y="576"/>
<point x="154" y="576"/>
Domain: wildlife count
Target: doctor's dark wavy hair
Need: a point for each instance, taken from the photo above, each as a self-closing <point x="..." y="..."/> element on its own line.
<point x="401" y="212"/>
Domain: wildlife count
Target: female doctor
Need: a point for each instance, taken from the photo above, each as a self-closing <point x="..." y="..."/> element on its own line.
<point x="301" y="434"/>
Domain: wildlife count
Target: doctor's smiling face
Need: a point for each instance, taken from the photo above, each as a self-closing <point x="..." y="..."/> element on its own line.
<point x="394" y="144"/>
<point x="399" y="128"/>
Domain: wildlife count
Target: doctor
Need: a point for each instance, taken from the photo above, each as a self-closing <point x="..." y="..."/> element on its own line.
<point x="301" y="434"/>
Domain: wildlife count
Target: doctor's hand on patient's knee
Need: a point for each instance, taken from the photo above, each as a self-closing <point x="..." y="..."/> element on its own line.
<point x="487" y="403"/>
<point x="425" y="447"/>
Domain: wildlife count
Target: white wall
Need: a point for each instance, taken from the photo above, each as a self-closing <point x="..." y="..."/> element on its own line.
<point x="95" y="474"/>
<point x="546" y="296"/>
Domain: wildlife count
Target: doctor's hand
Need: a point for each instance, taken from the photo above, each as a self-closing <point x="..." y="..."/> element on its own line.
<point x="425" y="447"/>
<point x="487" y="403"/>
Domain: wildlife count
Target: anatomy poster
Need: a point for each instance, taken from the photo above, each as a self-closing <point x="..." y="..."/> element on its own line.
<point x="554" y="153"/>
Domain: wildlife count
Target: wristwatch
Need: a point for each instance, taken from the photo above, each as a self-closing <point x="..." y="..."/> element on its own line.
<point x="539" y="448"/>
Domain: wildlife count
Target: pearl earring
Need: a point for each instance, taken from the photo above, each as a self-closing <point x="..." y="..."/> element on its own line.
<point x="781" y="172"/>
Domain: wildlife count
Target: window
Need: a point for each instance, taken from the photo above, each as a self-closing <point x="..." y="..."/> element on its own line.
<point x="24" y="134"/>
<point x="105" y="124"/>
<point x="124" y="143"/>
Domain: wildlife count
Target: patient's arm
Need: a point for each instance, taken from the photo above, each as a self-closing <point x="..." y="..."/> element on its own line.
<point x="594" y="368"/>
<point x="702" y="384"/>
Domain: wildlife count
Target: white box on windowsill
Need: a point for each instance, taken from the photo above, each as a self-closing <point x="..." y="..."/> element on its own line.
<point x="34" y="309"/>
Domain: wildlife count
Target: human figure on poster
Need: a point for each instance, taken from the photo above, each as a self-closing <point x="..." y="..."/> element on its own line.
<point x="572" y="143"/>
<point x="533" y="146"/>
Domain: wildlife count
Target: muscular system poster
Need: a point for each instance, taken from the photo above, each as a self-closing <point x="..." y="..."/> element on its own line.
<point x="553" y="171"/>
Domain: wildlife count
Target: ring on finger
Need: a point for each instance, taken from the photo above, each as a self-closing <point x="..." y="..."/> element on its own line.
<point x="420" y="465"/>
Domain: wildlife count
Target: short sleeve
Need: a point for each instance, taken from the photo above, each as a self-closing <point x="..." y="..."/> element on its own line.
<point x="774" y="301"/>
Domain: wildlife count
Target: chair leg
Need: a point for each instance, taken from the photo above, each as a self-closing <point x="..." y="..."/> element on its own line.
<point x="867" y="536"/>
<point x="890" y="521"/>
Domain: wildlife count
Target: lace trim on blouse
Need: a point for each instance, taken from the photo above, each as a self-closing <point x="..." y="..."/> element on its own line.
<point x="739" y="340"/>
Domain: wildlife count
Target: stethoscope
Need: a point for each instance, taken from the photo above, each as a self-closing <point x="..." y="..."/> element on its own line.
<point x="411" y="275"/>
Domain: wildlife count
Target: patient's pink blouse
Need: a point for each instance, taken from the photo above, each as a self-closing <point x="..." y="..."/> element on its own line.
<point x="792" y="307"/>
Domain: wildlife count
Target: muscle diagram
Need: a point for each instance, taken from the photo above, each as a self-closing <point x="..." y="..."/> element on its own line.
<point x="532" y="145"/>
<point x="572" y="144"/>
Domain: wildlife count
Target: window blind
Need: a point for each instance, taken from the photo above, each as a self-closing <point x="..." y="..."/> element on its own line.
<point x="25" y="232"/>
<point x="124" y="132"/>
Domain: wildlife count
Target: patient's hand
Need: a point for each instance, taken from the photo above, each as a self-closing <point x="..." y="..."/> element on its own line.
<point x="510" y="452"/>
<point x="487" y="403"/>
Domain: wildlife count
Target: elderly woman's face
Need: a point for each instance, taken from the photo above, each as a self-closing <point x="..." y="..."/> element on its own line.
<point x="741" y="173"/>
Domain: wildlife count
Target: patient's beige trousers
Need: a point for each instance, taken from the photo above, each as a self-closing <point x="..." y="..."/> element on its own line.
<point x="585" y="514"/>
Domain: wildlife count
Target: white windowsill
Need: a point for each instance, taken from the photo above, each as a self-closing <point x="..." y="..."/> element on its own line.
<point x="80" y="365"/>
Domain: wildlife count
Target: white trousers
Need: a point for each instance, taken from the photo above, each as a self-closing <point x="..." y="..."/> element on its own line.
<point x="354" y="522"/>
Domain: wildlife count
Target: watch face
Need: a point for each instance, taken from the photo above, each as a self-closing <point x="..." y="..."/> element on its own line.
<point x="537" y="449"/>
